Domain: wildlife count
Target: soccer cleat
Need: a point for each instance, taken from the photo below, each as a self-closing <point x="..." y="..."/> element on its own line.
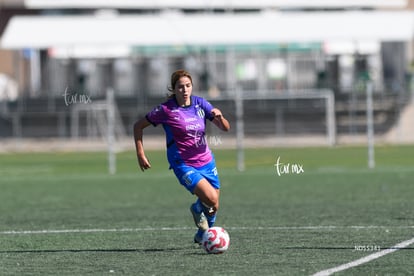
<point x="200" y="219"/>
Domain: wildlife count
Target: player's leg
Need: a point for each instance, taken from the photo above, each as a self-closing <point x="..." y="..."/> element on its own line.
<point x="207" y="203"/>
<point x="189" y="177"/>
<point x="208" y="195"/>
<point x="208" y="190"/>
<point x="204" y="183"/>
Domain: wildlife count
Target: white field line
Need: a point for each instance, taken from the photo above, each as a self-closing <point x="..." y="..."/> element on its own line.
<point x="258" y="228"/>
<point x="92" y="230"/>
<point x="365" y="259"/>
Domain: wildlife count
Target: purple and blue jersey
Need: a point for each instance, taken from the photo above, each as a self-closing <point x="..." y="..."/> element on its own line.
<point x="185" y="131"/>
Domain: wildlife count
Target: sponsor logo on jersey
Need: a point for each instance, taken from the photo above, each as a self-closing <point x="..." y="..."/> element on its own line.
<point x="192" y="119"/>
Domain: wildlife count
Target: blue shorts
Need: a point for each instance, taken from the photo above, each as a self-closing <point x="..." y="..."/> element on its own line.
<point x="190" y="176"/>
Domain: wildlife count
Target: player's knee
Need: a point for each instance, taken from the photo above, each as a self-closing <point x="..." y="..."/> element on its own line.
<point x="208" y="195"/>
<point x="213" y="201"/>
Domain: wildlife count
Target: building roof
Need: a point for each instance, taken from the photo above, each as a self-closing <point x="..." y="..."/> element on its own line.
<point x="168" y="29"/>
<point x="212" y="4"/>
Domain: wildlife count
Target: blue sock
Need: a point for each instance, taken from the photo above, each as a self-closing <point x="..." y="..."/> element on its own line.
<point x="200" y="207"/>
<point x="211" y="217"/>
<point x="197" y="206"/>
<point x="199" y="233"/>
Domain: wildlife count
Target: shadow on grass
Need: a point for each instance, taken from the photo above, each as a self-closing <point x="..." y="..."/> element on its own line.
<point x="127" y="250"/>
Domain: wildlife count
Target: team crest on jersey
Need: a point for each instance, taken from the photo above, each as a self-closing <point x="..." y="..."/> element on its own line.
<point x="200" y="113"/>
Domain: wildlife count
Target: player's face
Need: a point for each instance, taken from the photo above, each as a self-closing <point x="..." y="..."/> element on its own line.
<point x="183" y="89"/>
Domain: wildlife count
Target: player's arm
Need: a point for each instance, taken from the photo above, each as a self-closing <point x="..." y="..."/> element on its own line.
<point x="139" y="146"/>
<point x="219" y="120"/>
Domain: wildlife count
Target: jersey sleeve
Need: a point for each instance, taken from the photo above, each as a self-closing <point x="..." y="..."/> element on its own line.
<point x="156" y="116"/>
<point x="207" y="107"/>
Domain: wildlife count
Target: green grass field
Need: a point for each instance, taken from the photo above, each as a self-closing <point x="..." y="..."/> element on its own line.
<point x="62" y="214"/>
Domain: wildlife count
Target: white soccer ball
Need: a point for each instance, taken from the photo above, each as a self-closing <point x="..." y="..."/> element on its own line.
<point x="216" y="240"/>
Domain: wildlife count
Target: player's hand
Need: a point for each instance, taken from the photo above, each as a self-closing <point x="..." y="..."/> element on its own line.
<point x="216" y="113"/>
<point x="144" y="164"/>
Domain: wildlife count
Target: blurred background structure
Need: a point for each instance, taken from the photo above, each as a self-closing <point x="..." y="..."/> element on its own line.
<point x="59" y="57"/>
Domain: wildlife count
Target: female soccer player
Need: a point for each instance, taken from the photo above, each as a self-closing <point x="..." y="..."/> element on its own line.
<point x="183" y="117"/>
